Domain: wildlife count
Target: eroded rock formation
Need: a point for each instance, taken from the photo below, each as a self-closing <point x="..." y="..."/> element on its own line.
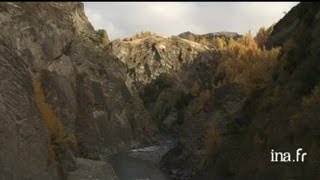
<point x="79" y="93"/>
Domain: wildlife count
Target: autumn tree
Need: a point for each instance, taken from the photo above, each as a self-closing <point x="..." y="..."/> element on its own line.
<point x="59" y="139"/>
<point x="204" y="41"/>
<point x="219" y="43"/>
<point x="263" y="35"/>
<point x="191" y="37"/>
<point x="247" y="64"/>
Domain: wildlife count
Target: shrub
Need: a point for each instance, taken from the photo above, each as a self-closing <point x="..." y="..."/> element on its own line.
<point x="195" y="89"/>
<point x="150" y="92"/>
<point x="203" y="40"/>
<point x="103" y="36"/>
<point x="219" y="43"/>
<point x="53" y="123"/>
<point x="142" y="34"/>
<point x="56" y="129"/>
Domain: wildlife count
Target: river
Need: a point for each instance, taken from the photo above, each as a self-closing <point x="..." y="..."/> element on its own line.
<point x="141" y="164"/>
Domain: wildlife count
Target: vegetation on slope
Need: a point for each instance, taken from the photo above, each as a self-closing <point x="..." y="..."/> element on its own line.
<point x="213" y="40"/>
<point x="103" y="37"/>
<point x="282" y="87"/>
<point x="245" y="63"/>
<point x="58" y="139"/>
<point x="141" y="35"/>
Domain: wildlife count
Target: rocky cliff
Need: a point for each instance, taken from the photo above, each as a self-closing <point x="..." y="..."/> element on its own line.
<point x="209" y="36"/>
<point x="24" y="138"/>
<point x="148" y="57"/>
<point x="210" y="39"/>
<point x="62" y="95"/>
<point x="163" y="70"/>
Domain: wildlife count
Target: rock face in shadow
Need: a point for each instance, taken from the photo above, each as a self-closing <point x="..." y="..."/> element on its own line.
<point x="212" y="107"/>
<point x="23" y="137"/>
<point x="84" y="90"/>
<point x="282" y="116"/>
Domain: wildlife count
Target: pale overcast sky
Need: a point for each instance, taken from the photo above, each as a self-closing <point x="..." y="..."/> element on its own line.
<point x="124" y="19"/>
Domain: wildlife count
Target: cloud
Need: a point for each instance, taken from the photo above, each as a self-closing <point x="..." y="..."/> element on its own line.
<point x="123" y="19"/>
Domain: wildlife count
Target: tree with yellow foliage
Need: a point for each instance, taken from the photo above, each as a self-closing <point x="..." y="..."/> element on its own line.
<point x="204" y="41"/>
<point x="191" y="37"/>
<point x="247" y="64"/>
<point x="263" y="35"/>
<point x="58" y="137"/>
<point x="219" y="43"/>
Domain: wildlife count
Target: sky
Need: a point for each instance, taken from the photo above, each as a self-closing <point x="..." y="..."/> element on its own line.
<point x="124" y="19"/>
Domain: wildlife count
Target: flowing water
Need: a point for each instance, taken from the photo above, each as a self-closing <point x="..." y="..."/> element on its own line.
<point x="141" y="164"/>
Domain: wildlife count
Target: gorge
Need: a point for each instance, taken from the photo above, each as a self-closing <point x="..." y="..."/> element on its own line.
<point x="74" y="106"/>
